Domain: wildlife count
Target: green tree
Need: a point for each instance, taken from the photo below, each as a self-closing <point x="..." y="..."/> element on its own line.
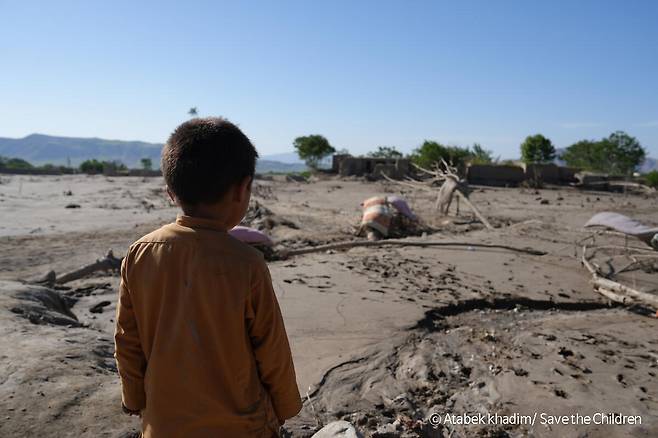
<point x="618" y="154"/>
<point x="587" y="155"/>
<point x="385" y="152"/>
<point x="94" y="166"/>
<point x="537" y="149"/>
<point x="147" y="164"/>
<point x="113" y="166"/>
<point x="626" y="152"/>
<point x="91" y="166"/>
<point x="431" y="153"/>
<point x="14" y="163"/>
<point x="312" y="149"/>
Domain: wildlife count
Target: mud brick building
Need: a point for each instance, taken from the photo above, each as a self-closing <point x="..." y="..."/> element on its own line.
<point x="347" y="165"/>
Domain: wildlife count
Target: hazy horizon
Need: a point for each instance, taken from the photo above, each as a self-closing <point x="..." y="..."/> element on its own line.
<point x="287" y="157"/>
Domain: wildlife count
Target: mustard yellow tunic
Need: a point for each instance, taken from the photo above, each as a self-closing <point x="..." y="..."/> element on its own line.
<point x="201" y="346"/>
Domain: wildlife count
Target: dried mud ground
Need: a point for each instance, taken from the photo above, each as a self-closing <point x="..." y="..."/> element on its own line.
<point x="382" y="337"/>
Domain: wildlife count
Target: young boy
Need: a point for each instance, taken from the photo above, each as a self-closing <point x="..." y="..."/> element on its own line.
<point x="200" y="343"/>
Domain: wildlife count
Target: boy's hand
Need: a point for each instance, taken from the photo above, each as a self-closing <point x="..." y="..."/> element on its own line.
<point x="130" y="411"/>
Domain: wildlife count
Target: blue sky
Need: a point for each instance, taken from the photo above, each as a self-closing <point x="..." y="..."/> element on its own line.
<point x="361" y="73"/>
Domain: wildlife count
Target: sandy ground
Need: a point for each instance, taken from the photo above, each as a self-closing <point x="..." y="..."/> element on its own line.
<point x="382" y="337"/>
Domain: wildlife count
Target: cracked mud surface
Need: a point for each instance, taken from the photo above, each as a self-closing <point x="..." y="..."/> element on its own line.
<point x="502" y="361"/>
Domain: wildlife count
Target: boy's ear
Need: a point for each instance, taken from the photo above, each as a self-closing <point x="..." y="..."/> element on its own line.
<point x="242" y="189"/>
<point x="171" y="195"/>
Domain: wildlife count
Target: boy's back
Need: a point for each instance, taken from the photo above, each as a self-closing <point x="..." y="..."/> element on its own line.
<point x="200" y="342"/>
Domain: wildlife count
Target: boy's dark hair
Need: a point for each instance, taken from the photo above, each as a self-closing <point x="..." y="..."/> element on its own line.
<point x="204" y="157"/>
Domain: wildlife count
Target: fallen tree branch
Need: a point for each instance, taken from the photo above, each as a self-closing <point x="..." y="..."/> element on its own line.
<point x="112" y="263"/>
<point x="393" y="242"/>
<point x="443" y="201"/>
<point x="475" y="210"/>
<point x="409" y="184"/>
<point x="108" y="263"/>
<point x="625" y="249"/>
<point x="604" y="283"/>
<point x="616" y="291"/>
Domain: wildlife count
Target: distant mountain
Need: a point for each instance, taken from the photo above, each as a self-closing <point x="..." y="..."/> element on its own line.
<point x="264" y="166"/>
<point x="286" y="162"/>
<point x="287" y="157"/>
<point x="649" y="165"/>
<point x="40" y="149"/>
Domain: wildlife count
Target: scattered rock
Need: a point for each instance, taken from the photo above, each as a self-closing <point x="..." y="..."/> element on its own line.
<point x="390" y="430"/>
<point x="564" y="352"/>
<point x="560" y="393"/>
<point x="98" y="308"/>
<point x="148" y="206"/>
<point x="72" y="206"/>
<point x="338" y="429"/>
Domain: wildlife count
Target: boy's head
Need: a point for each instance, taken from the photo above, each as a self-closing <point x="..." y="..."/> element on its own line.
<point x="207" y="162"/>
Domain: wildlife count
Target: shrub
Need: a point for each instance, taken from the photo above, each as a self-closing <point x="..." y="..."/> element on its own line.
<point x="651" y="179"/>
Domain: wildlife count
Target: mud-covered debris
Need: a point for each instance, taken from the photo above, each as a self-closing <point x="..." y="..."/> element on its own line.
<point x="42" y="305"/>
<point x="98" y="308"/>
<point x="262" y="218"/>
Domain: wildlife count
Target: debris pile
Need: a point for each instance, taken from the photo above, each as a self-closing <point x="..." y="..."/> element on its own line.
<point x="255" y="238"/>
<point x="389" y="216"/>
<point x="624" y="224"/>
<point x="613" y="265"/>
<point x="450" y="185"/>
<point x="261" y="218"/>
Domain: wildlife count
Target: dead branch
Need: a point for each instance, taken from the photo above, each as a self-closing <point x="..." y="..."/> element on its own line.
<point x="108" y="263"/>
<point x="393" y="242"/>
<point x="418" y="186"/>
<point x="112" y="263"/>
<point x="475" y="210"/>
<point x="604" y="283"/>
<point x="616" y="291"/>
<point x="439" y="173"/>
<point x="448" y="189"/>
<point x="422" y="169"/>
<point x="622" y="248"/>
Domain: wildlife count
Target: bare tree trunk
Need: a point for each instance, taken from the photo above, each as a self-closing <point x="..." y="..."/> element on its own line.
<point x="444" y="199"/>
